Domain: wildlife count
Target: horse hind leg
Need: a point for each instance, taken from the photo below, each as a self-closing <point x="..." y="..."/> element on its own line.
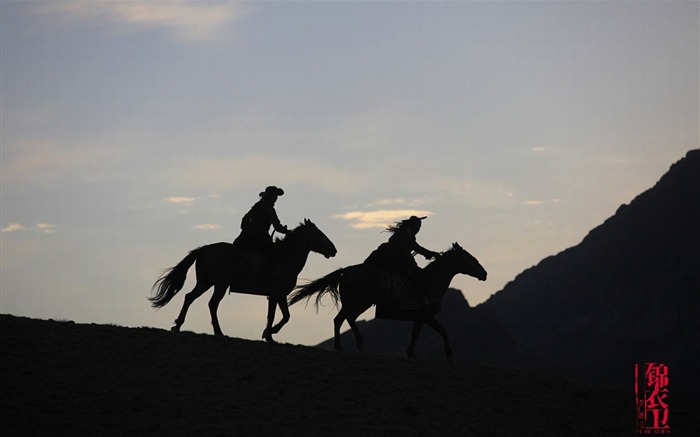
<point x="190" y="297"/>
<point x="219" y="293"/>
<point x="337" y="323"/>
<point x="359" y="341"/>
<point x="411" y="351"/>
<point x="433" y="323"/>
<point x="351" y="318"/>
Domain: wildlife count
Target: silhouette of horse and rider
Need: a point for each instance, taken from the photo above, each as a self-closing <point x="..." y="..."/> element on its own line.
<point x="240" y="265"/>
<point x="256" y="264"/>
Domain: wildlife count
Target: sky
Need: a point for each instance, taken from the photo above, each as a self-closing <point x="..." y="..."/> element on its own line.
<point x="133" y="132"/>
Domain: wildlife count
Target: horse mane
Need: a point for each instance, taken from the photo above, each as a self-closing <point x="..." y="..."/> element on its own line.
<point x="282" y="241"/>
<point x="455" y="247"/>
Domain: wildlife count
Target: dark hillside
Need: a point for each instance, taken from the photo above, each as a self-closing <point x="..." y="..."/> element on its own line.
<point x="629" y="292"/>
<point x="62" y="378"/>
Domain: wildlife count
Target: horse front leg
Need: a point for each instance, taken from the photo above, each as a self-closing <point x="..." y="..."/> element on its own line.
<point x="284" y="308"/>
<point x="433" y="323"/>
<point x="219" y="292"/>
<point x="271" y="308"/>
<point x="411" y="351"/>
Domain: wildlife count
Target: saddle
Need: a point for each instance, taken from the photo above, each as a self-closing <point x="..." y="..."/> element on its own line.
<point x="401" y="301"/>
<point x="251" y="273"/>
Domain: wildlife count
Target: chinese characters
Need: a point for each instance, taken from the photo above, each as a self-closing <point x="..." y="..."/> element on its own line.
<point x="651" y="390"/>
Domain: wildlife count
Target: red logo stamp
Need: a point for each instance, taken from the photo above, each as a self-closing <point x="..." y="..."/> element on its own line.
<point x="651" y="391"/>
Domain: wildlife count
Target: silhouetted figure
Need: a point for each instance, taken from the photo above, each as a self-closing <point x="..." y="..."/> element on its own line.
<point x="360" y="286"/>
<point x="255" y="225"/>
<point x="255" y="239"/>
<point x="396" y="255"/>
<point x="216" y="265"/>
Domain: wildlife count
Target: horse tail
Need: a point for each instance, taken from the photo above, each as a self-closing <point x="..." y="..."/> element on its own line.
<point x="172" y="280"/>
<point x="326" y="285"/>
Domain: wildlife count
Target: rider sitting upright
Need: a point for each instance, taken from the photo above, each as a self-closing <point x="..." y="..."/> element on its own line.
<point x="255" y="238"/>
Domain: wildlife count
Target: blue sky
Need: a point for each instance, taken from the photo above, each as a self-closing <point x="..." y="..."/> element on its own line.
<point x="133" y="132"/>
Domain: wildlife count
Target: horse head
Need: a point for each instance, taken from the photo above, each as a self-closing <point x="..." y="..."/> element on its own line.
<point x="314" y="239"/>
<point x="465" y="262"/>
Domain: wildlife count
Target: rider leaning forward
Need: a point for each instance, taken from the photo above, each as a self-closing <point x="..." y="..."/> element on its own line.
<point x="396" y="255"/>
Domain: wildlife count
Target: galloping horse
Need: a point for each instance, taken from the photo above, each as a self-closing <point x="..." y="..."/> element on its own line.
<point x="360" y="286"/>
<point x="216" y="266"/>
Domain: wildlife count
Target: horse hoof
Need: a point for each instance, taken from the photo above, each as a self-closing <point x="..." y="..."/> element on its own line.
<point x="175" y="328"/>
<point x="267" y="336"/>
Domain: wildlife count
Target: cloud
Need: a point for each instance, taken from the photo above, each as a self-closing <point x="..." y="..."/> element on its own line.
<point x="42" y="227"/>
<point x="206" y="227"/>
<point x="178" y="200"/>
<point x="379" y="218"/>
<point x="14" y="227"/>
<point x="185" y="20"/>
<point x="46" y="228"/>
<point x="543" y="202"/>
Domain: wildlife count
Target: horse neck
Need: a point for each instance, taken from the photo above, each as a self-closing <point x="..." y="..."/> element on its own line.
<point x="439" y="275"/>
<point x="293" y="255"/>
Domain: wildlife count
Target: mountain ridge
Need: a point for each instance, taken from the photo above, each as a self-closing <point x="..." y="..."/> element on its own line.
<point x="629" y="292"/>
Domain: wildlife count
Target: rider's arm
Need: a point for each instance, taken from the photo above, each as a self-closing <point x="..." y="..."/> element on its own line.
<point x="279" y="227"/>
<point x="427" y="254"/>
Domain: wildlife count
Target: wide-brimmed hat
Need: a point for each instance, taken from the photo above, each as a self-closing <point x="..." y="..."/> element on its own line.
<point x="414" y="219"/>
<point x="272" y="191"/>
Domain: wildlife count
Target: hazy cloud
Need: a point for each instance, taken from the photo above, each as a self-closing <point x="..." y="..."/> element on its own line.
<point x="206" y="227"/>
<point x="14" y="227"/>
<point x="46" y="228"/>
<point x="42" y="227"/>
<point x="379" y="218"/>
<point x="185" y="20"/>
<point x="178" y="200"/>
<point x="542" y="202"/>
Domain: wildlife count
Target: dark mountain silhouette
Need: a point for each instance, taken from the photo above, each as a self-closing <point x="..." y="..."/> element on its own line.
<point x="628" y="293"/>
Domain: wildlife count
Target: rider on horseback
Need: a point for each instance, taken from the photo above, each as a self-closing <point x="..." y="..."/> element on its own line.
<point x="396" y="255"/>
<point x="255" y="238"/>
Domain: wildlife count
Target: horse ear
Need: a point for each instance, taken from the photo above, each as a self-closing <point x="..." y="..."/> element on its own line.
<point x="307" y="221"/>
